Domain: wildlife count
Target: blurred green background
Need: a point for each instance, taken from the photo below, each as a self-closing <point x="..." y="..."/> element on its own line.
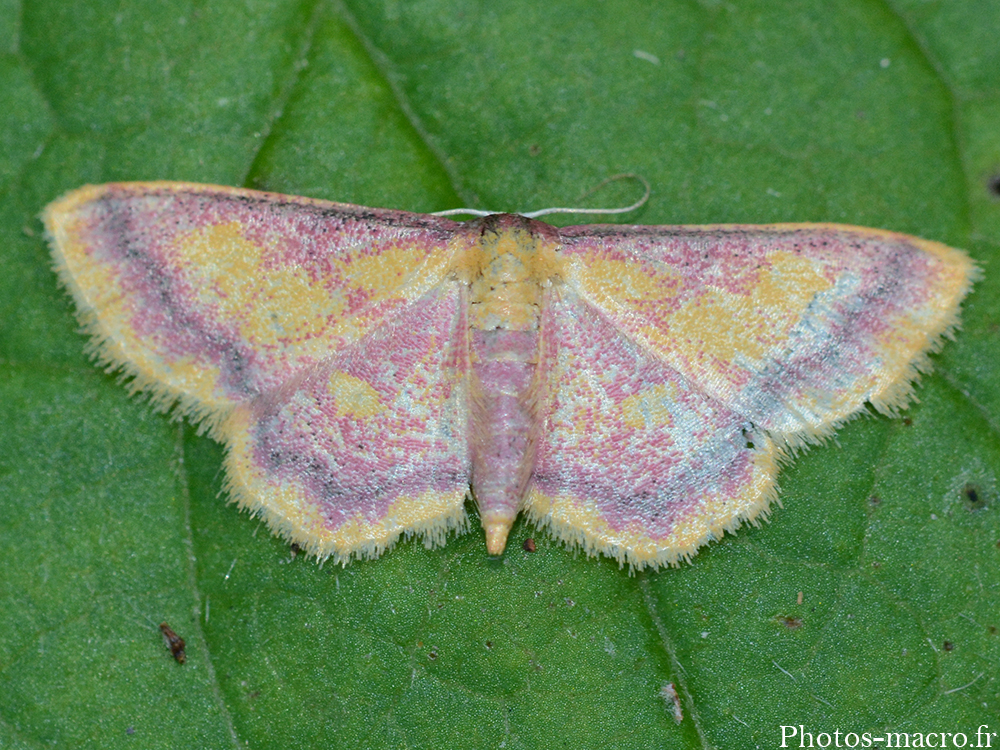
<point x="873" y="113"/>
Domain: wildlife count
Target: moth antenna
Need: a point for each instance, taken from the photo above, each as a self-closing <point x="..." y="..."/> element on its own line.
<point x="561" y="210"/>
<point x="460" y="211"/>
<point x="621" y="210"/>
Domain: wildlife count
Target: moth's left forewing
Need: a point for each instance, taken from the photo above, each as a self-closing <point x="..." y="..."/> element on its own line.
<point x="215" y="296"/>
<point x="795" y="326"/>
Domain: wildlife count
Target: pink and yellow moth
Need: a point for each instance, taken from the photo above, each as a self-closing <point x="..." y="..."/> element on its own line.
<point x="632" y="388"/>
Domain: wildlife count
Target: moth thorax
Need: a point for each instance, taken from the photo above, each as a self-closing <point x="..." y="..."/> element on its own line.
<point x="508" y="272"/>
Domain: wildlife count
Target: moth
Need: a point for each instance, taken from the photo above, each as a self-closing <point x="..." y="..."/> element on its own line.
<point x="634" y="389"/>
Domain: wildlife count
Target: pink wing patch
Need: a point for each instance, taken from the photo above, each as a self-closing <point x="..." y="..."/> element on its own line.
<point x="632" y="461"/>
<point x="795" y="326"/>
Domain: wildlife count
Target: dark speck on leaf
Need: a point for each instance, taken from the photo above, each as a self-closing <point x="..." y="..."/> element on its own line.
<point x="529" y="545"/>
<point x="174" y="642"/>
<point x="973" y="497"/>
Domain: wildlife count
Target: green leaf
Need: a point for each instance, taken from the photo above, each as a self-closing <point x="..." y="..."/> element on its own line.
<point x="869" y="603"/>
